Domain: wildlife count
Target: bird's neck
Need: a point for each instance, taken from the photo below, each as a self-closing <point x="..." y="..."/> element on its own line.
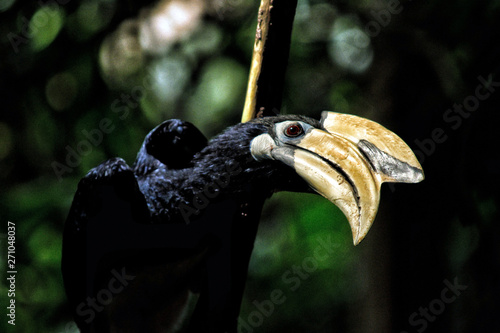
<point x="223" y="171"/>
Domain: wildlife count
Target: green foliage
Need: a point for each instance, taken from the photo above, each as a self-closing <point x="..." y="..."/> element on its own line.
<point x="220" y="91"/>
<point x="45" y="25"/>
<point x="304" y="249"/>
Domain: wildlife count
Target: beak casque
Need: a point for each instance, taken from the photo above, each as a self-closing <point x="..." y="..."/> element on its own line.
<point x="346" y="161"/>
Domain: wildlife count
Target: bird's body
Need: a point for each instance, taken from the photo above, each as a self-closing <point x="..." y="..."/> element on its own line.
<point x="181" y="222"/>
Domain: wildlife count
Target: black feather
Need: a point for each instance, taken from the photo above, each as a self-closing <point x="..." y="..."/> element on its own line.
<point x="183" y="218"/>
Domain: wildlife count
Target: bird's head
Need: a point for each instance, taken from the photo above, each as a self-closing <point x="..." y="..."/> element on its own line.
<point x="342" y="157"/>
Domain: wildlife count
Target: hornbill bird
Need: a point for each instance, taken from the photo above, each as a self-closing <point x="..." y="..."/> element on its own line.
<point x="164" y="245"/>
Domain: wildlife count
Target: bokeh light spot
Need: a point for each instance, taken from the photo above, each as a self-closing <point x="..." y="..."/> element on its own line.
<point x="45" y="25"/>
<point x="61" y="90"/>
<point x="350" y="47"/>
<point x="6" y="4"/>
<point x="93" y="15"/>
<point x="168" y="23"/>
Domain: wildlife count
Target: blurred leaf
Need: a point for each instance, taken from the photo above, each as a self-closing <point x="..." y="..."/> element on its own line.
<point x="61" y="90"/>
<point x="45" y="246"/>
<point x="25" y="199"/>
<point x="343" y="96"/>
<point x="204" y="41"/>
<point x="94" y="15"/>
<point x="126" y="141"/>
<point x="41" y="136"/>
<point x="45" y="25"/>
<point x="221" y="89"/>
<point x="6" y="4"/>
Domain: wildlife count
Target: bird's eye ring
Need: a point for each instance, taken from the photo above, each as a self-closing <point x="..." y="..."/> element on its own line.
<point x="294" y="131"/>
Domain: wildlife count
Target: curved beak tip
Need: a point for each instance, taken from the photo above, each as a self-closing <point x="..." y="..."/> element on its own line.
<point x="421" y="176"/>
<point x="355" y="238"/>
<point x="358" y="236"/>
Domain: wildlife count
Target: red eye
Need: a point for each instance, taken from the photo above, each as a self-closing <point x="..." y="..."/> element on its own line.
<point x="294" y="130"/>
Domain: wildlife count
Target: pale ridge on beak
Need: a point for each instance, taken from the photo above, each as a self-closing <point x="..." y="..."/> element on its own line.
<point x="357" y="129"/>
<point x="373" y="150"/>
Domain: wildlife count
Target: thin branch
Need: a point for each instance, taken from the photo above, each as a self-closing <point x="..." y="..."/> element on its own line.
<point x="269" y="59"/>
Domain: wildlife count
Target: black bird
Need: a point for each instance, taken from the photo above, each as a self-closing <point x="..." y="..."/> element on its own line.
<point x="164" y="246"/>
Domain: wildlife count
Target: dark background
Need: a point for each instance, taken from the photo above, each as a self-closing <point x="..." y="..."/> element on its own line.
<point x="83" y="81"/>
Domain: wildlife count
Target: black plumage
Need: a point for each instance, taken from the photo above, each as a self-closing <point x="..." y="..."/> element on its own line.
<point x="182" y="220"/>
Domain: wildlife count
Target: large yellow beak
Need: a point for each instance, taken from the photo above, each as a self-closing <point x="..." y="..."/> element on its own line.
<point x="346" y="161"/>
